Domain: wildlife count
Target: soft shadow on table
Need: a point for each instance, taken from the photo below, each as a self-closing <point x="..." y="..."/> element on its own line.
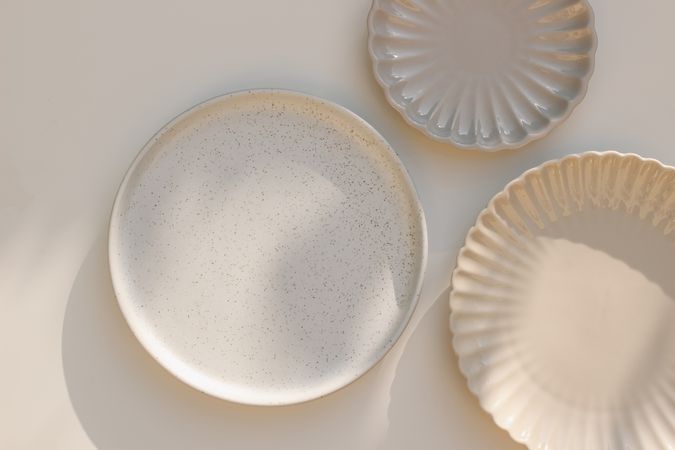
<point x="125" y="400"/>
<point x="430" y="406"/>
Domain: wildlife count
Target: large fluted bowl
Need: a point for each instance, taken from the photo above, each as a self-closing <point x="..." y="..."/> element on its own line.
<point x="563" y="305"/>
<point x="485" y="74"/>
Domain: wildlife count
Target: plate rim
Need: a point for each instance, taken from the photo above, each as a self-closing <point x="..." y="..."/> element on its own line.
<point x="491" y="209"/>
<point x="126" y="308"/>
<point x="477" y="147"/>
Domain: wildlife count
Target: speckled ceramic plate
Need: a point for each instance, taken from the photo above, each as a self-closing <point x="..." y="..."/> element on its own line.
<point x="267" y="247"/>
<point x="563" y="305"/>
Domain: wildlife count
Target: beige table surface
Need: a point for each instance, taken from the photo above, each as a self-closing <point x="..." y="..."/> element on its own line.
<point x="83" y="85"/>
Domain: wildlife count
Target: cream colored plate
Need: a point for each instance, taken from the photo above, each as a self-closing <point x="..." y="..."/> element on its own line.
<point x="267" y="247"/>
<point x="563" y="305"/>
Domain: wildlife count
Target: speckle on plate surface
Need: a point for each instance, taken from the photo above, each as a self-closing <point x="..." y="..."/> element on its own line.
<point x="267" y="247"/>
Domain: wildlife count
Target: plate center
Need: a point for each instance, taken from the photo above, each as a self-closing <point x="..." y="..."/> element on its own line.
<point x="483" y="38"/>
<point x="599" y="311"/>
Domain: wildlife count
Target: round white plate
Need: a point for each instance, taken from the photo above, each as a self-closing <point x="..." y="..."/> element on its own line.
<point x="563" y="305"/>
<point x="267" y="247"/>
<point x="487" y="74"/>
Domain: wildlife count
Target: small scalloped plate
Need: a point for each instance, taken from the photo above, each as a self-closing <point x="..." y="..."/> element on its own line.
<point x="563" y="305"/>
<point x="485" y="74"/>
<point x="267" y="247"/>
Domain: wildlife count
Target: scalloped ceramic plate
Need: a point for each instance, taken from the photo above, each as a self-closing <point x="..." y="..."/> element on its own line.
<point x="267" y="247"/>
<point x="486" y="74"/>
<point x="563" y="305"/>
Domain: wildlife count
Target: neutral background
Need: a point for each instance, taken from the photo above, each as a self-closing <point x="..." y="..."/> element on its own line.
<point x="83" y="85"/>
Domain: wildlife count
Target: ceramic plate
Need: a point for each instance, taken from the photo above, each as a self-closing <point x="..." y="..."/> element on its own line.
<point x="563" y="305"/>
<point x="487" y="74"/>
<point x="267" y="247"/>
